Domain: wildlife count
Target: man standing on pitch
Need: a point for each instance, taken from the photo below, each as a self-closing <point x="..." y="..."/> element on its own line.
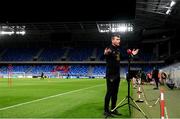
<point x="112" y="55"/>
<point x="155" y="76"/>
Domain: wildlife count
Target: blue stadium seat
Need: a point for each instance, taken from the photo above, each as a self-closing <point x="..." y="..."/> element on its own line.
<point x="52" y="54"/>
<point x="19" y="54"/>
<point x="80" y="54"/>
<point x="78" y="70"/>
<point x="99" y="70"/>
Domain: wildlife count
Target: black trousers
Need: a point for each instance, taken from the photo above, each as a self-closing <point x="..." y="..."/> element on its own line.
<point x="156" y="81"/>
<point x="111" y="93"/>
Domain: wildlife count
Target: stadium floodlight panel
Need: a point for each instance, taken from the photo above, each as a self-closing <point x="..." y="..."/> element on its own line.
<point x="172" y="3"/>
<point x="4" y="27"/>
<point x="10" y="30"/>
<point x="6" y="32"/>
<point x="21" y="32"/>
<point x="115" y="27"/>
<point x="121" y="29"/>
<point x="168" y="11"/>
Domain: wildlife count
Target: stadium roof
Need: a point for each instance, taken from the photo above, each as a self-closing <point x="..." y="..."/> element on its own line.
<point x="82" y="18"/>
<point x="69" y="11"/>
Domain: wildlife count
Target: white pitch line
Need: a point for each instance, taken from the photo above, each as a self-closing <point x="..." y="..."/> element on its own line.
<point x="166" y="112"/>
<point x="20" y="104"/>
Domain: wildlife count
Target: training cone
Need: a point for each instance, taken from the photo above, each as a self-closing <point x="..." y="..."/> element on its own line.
<point x="139" y="95"/>
<point x="162" y="104"/>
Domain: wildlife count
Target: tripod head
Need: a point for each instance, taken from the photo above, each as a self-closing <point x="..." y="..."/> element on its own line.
<point x="132" y="53"/>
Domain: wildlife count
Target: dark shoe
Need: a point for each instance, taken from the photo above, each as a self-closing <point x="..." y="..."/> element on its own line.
<point x="155" y="88"/>
<point x="115" y="112"/>
<point x="108" y="114"/>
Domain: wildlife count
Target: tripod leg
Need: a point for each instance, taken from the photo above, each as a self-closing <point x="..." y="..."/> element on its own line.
<point x="139" y="108"/>
<point x="135" y="107"/>
<point x="129" y="107"/>
<point x="119" y="104"/>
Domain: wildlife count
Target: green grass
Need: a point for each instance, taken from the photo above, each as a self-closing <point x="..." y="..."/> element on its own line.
<point x="74" y="98"/>
<point x="85" y="98"/>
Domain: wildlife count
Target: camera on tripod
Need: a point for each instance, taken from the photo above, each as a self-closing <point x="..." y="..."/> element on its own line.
<point x="133" y="73"/>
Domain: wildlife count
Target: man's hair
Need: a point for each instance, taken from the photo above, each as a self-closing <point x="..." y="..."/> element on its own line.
<point x="115" y="35"/>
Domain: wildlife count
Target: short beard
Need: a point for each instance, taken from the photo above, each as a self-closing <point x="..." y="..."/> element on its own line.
<point x="116" y="45"/>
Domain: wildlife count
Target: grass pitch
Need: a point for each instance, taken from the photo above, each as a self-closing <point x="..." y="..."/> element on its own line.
<point x="56" y="98"/>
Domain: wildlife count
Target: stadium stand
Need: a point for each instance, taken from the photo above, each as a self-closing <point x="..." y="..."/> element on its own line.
<point x="80" y="54"/>
<point x="99" y="70"/>
<point x="73" y="54"/>
<point x="78" y="70"/>
<point x="69" y="54"/>
<point x="99" y="55"/>
<point x="52" y="54"/>
<point x="37" y="69"/>
<point x="19" y="54"/>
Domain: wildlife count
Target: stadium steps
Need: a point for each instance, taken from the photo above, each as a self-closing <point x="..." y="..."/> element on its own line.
<point x="99" y="54"/>
<point x="29" y="69"/>
<point x="3" y="69"/>
<point x="90" y="70"/>
<point x="38" y="53"/>
<point x="94" y="52"/>
<point x="93" y="56"/>
<point x="2" y="53"/>
<point x="65" y="56"/>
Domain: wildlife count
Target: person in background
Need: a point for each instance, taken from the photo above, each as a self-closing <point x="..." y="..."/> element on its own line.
<point x="155" y="76"/>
